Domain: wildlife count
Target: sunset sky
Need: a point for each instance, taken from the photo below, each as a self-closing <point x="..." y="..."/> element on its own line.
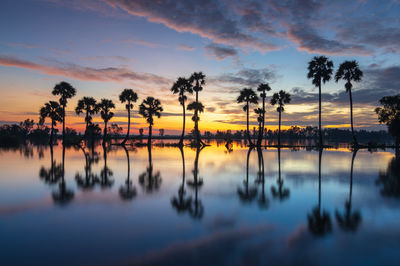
<point x="104" y="46"/>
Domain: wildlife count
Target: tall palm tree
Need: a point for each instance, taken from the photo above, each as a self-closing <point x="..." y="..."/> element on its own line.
<point x="65" y="91"/>
<point x="149" y="108"/>
<point x="180" y="87"/>
<point x="247" y="96"/>
<point x="53" y="111"/>
<point x="105" y="107"/>
<point x="198" y="79"/>
<point x="262" y="88"/>
<point x="320" y="69"/>
<point x="89" y="106"/>
<point x="280" y="99"/>
<point x="349" y="71"/>
<point x="130" y="97"/>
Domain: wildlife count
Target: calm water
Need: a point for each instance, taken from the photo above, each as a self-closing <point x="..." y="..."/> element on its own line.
<point x="132" y="207"/>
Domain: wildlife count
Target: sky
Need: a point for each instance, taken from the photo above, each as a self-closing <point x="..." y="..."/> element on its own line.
<point x="102" y="47"/>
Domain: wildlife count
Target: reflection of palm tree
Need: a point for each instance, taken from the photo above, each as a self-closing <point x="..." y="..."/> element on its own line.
<point x="63" y="195"/>
<point x="281" y="193"/>
<point x="149" y="181"/>
<point x="390" y="180"/>
<point x="196" y="209"/>
<point x="319" y="223"/>
<point x="53" y="174"/>
<point x="180" y="203"/>
<point x="90" y="179"/>
<point x="263" y="201"/>
<point x="128" y="191"/>
<point x="106" y="173"/>
<point x="247" y="194"/>
<point x="349" y="221"/>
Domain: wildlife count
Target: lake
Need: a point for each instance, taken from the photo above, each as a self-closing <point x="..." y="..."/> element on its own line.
<point x="167" y="206"/>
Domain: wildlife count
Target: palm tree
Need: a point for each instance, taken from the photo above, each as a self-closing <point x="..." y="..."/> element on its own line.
<point x="149" y="108"/>
<point x="320" y="69"/>
<point x="349" y="71"/>
<point x="281" y="99"/>
<point x="130" y="97"/>
<point x="105" y="107"/>
<point x="53" y="111"/>
<point x="89" y="106"/>
<point x="182" y="86"/>
<point x="128" y="191"/>
<point x="198" y="78"/>
<point x="66" y="91"/>
<point x="263" y="88"/>
<point x="247" y="96"/>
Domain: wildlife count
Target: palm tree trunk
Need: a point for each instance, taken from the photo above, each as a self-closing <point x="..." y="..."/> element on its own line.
<point x="129" y="124"/>
<point x="183" y="126"/>
<point x="279" y="165"/>
<point x="351" y="119"/>
<point x="248" y="130"/>
<point x="319" y="180"/>
<point x="52" y="163"/>
<point x="129" y="166"/>
<point x="52" y="132"/>
<point x="319" y="112"/>
<point x="351" y="175"/>
<point x="105" y="133"/>
<point x="261" y="129"/>
<point x="279" y="129"/>
<point x="63" y="124"/>
<point x="87" y="122"/>
<point x="149" y="139"/>
<point x="247" y="170"/>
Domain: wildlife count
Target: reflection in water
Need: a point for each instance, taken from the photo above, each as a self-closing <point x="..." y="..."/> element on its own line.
<point x="90" y="179"/>
<point x="106" y="174"/>
<point x="281" y="192"/>
<point x="263" y="201"/>
<point x="349" y="220"/>
<point x="319" y="223"/>
<point x="389" y="181"/>
<point x="128" y="191"/>
<point x="63" y="195"/>
<point x="53" y="174"/>
<point x="196" y="209"/>
<point x="149" y="181"/>
<point x="181" y="203"/>
<point x="247" y="194"/>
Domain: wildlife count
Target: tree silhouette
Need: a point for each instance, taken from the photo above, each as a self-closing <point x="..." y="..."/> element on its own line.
<point x="130" y="97"/>
<point x="389" y="114"/>
<point x="280" y="192"/>
<point x="196" y="209"/>
<point x="149" y="108"/>
<point x="349" y="220"/>
<point x="320" y="69"/>
<point x="105" y="107"/>
<point x="65" y="91"/>
<point x="349" y="71"/>
<point x="89" y="180"/>
<point x="148" y="180"/>
<point x="181" y="203"/>
<point x="53" y="111"/>
<point x="63" y="195"/>
<point x="262" y="88"/>
<point x="280" y="99"/>
<point x="319" y="223"/>
<point x="198" y="79"/>
<point x="89" y="106"/>
<point x="246" y="194"/>
<point x="128" y="191"/>
<point x="181" y="87"/>
<point x="263" y="201"/>
<point x="53" y="174"/>
<point x="247" y="96"/>
<point x="106" y="173"/>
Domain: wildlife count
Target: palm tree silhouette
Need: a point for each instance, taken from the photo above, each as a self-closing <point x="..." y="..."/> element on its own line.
<point x="349" y="71"/>
<point x="53" y="174"/>
<point x="180" y="87"/>
<point x="105" y="107"/>
<point x="247" y="96"/>
<point x="281" y="99"/>
<point x="320" y="69"/>
<point x="89" y="106"/>
<point x="130" y="97"/>
<point x="319" y="223"/>
<point x="149" y="108"/>
<point x="280" y="192"/>
<point x="64" y="195"/>
<point x="89" y="180"/>
<point x="105" y="175"/>
<point x="198" y="78"/>
<point x="128" y="191"/>
<point x="181" y="203"/>
<point x="263" y="201"/>
<point x="246" y="194"/>
<point x="349" y="220"/>
<point x="262" y="88"/>
<point x="149" y="181"/>
<point x="53" y="111"/>
<point x="196" y="209"/>
<point x="65" y="91"/>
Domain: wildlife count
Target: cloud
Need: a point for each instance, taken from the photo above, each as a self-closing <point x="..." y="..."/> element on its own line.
<point x="23" y="45"/>
<point x="185" y="47"/>
<point x="220" y="52"/>
<point x="86" y="73"/>
<point x="246" y="77"/>
<point x="103" y="58"/>
<point x="143" y="43"/>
